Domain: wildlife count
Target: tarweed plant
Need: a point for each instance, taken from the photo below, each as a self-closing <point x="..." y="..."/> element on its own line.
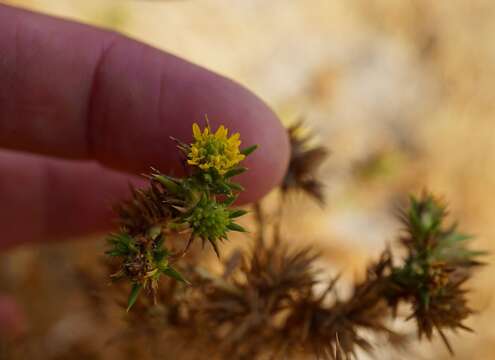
<point x="267" y="302"/>
<point x="198" y="205"/>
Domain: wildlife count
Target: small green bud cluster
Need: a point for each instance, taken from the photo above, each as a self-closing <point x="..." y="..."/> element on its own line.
<point x="209" y="219"/>
<point x="437" y="264"/>
<point x="212" y="221"/>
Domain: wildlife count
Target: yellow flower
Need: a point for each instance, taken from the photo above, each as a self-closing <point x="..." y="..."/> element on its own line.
<point x="214" y="150"/>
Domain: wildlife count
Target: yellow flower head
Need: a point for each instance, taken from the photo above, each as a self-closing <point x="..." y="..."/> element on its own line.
<point x="214" y="150"/>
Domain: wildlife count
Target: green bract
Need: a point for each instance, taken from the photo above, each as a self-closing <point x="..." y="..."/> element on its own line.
<point x="211" y="220"/>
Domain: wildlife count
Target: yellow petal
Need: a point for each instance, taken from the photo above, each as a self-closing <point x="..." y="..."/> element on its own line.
<point x="196" y="131"/>
<point x="234" y="138"/>
<point x="221" y="132"/>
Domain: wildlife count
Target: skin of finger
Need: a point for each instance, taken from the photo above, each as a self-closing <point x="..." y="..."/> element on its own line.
<point x="73" y="91"/>
<point x="12" y="320"/>
<point x="46" y="199"/>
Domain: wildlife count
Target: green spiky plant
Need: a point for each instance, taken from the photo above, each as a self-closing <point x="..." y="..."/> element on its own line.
<point x="176" y="206"/>
<point x="437" y="265"/>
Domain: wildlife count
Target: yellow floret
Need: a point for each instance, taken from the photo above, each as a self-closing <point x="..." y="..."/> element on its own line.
<point x="214" y="150"/>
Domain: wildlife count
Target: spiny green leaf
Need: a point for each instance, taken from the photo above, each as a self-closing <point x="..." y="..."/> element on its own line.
<point x="230" y="200"/>
<point x="171" y="272"/>
<point x="115" y="253"/>
<point x="235" y="186"/>
<point x="236" y="227"/>
<point x="136" y="288"/>
<point x="169" y="183"/>
<point x="249" y="150"/>
<point x="234" y="172"/>
<point x="120" y="238"/>
<point x="237" y="213"/>
<point x="453" y="239"/>
<point x="223" y="188"/>
<point x="214" y="244"/>
<point x="122" y="243"/>
<point x="465" y="254"/>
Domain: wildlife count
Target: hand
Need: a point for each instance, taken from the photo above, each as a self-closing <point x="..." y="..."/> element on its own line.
<point x="83" y="111"/>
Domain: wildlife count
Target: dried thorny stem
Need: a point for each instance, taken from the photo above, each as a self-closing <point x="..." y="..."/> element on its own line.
<point x="260" y="221"/>
<point x="304" y="163"/>
<point x="279" y="217"/>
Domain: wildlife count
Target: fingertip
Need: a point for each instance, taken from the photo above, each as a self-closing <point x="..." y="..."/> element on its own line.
<point x="144" y="96"/>
<point x="268" y="164"/>
<point x="241" y="111"/>
<point x="227" y="103"/>
<point x="118" y="101"/>
<point x="12" y="320"/>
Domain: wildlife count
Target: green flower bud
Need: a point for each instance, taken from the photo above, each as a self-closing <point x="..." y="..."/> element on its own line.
<point x="209" y="219"/>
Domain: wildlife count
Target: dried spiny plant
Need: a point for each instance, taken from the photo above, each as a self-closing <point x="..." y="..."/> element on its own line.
<point x="266" y="303"/>
<point x="333" y="328"/>
<point x="243" y="311"/>
<point x="304" y="162"/>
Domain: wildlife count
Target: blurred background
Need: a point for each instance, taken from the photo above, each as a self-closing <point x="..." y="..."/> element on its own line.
<point x="402" y="92"/>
